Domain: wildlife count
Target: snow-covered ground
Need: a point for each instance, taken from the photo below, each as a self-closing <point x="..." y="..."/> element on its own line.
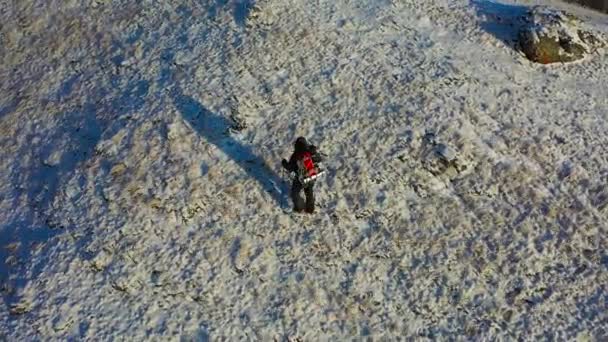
<point x="130" y="211"/>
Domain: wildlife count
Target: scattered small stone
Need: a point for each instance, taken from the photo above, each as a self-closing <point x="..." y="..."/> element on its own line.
<point x="238" y="123"/>
<point x="589" y="254"/>
<point x="441" y="160"/>
<point x="516" y="290"/>
<point x="12" y="247"/>
<point x="445" y="153"/>
<point x="430" y="138"/>
<point x="565" y="171"/>
<point x="507" y="315"/>
<point x="20" y="309"/>
<point x="118" y="169"/>
<point x="155" y="278"/>
<point x="119" y="287"/>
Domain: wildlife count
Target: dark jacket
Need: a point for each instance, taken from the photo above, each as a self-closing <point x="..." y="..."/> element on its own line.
<point x="301" y="146"/>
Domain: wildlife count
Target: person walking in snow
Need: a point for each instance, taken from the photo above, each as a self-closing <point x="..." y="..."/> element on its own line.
<point x="303" y="163"/>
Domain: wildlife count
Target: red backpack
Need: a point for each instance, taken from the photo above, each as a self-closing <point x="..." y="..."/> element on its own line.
<point x="307" y="170"/>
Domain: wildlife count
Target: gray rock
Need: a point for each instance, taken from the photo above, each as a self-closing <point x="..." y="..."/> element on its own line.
<point x="553" y="36"/>
<point x="445" y="153"/>
<point x="238" y="123"/>
<point x="441" y="160"/>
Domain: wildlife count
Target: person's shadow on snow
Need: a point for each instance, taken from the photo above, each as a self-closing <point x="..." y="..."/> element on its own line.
<point x="214" y="128"/>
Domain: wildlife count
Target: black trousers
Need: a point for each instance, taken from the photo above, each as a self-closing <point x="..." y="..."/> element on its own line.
<point x="298" y="202"/>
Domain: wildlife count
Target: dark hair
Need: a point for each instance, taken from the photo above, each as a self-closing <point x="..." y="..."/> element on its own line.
<point x="301" y="144"/>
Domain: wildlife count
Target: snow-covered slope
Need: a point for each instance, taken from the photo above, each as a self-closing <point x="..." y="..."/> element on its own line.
<point x="129" y="210"/>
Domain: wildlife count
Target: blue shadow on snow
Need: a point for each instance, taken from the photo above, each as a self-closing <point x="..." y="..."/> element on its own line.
<point x="503" y="21"/>
<point x="213" y="128"/>
<point x="21" y="235"/>
<point x="240" y="9"/>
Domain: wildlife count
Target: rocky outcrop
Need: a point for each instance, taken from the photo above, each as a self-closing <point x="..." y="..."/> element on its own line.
<point x="552" y="36"/>
<point x="599" y="5"/>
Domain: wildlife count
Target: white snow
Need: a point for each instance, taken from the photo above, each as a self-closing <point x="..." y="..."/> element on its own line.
<point x="130" y="211"/>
